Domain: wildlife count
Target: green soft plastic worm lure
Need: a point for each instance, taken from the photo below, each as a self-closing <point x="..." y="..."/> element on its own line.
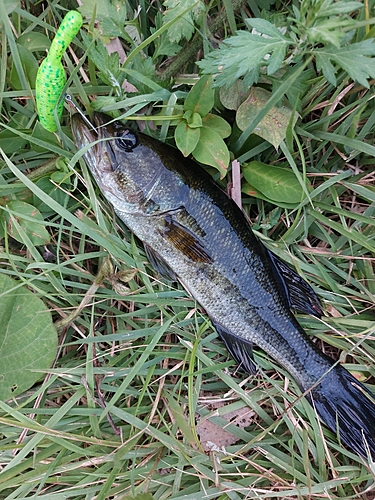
<point x="51" y="77"/>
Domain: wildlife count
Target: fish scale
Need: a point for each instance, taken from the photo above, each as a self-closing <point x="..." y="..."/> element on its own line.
<point x="193" y="232"/>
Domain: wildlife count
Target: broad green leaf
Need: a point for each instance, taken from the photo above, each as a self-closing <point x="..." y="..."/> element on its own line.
<point x="354" y="59"/>
<point x="30" y="67"/>
<point x="187" y="115"/>
<point x="255" y="193"/>
<point x="201" y="97"/>
<point x="39" y="132"/>
<point x="243" y="55"/>
<point x="30" y="220"/>
<point x="34" y="41"/>
<point x="28" y="339"/>
<point x="186" y="138"/>
<point x="217" y="124"/>
<point x="10" y="142"/>
<point x="212" y="150"/>
<point x="234" y="96"/>
<point x="273" y="101"/>
<point x="274" y="125"/>
<point x="195" y="120"/>
<point x="57" y="193"/>
<point x="251" y="191"/>
<point x="277" y="184"/>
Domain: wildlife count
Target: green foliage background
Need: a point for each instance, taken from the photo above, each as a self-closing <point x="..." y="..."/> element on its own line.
<point x="139" y="367"/>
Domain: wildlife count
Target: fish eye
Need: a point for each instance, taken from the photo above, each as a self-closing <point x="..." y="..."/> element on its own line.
<point x="127" y="141"/>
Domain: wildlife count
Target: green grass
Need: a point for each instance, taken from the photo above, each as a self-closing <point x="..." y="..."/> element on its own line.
<point x="139" y="365"/>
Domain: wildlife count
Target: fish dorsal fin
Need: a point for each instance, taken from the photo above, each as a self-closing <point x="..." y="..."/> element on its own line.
<point x="185" y="240"/>
<point x="299" y="293"/>
<point x="240" y="350"/>
<point x="159" y="264"/>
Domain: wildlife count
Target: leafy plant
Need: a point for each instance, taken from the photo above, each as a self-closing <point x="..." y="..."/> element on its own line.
<point x="316" y="22"/>
<point x="200" y="132"/>
<point x="272" y="183"/>
<point x="28" y="338"/>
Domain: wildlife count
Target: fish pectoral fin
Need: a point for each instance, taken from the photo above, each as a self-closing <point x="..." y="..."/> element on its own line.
<point x="299" y="293"/>
<point x="159" y="264"/>
<point x="185" y="240"/>
<point x="240" y="349"/>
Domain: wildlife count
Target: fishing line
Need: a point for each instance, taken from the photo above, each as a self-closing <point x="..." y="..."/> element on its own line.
<point x="69" y="100"/>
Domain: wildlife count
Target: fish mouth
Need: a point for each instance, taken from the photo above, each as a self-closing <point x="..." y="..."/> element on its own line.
<point x="96" y="140"/>
<point x="85" y="134"/>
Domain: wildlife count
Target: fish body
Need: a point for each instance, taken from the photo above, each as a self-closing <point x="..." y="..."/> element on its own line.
<point x="193" y="232"/>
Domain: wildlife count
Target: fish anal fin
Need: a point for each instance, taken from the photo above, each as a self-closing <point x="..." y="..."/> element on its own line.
<point x="185" y="240"/>
<point x="299" y="293"/>
<point x="240" y="350"/>
<point x="159" y="264"/>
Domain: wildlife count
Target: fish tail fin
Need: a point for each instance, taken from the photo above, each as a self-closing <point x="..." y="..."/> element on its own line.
<point x="347" y="407"/>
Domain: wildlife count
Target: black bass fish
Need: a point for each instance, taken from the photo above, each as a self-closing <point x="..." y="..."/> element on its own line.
<point x="193" y="232"/>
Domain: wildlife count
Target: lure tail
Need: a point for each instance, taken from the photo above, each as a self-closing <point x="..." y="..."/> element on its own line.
<point x="347" y="408"/>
